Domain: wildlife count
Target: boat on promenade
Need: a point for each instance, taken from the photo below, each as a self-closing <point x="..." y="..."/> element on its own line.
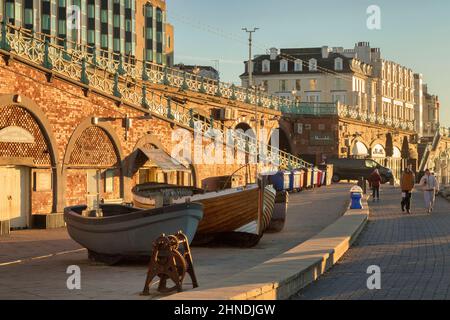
<point x="115" y="232"/>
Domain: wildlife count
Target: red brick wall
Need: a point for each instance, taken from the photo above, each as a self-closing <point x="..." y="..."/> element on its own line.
<point x="76" y="187"/>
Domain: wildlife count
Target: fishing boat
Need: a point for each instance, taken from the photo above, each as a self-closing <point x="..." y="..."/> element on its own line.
<point x="236" y="217"/>
<point x="116" y="232"/>
<point x="279" y="213"/>
<point x="154" y="195"/>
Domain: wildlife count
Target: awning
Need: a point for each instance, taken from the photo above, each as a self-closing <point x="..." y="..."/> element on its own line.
<point x="389" y="145"/>
<point x="162" y="160"/>
<point x="405" y="154"/>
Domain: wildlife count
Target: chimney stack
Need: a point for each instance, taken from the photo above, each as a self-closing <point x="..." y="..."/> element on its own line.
<point x="325" y="52"/>
<point x="273" y="53"/>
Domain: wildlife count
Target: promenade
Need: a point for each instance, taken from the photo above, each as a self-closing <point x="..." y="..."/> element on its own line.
<point x="33" y="263"/>
<point x="412" y="251"/>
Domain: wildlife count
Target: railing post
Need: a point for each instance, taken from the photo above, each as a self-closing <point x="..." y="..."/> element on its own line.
<point x="94" y="58"/>
<point x="184" y="85"/>
<point x="4" y="43"/>
<point x="32" y="35"/>
<point x="144" y="75"/>
<point x="191" y="118"/>
<point x="144" y="102"/>
<point x="202" y="85"/>
<point x="165" y="80"/>
<point x="84" y="78"/>
<point x="116" y="91"/>
<point x="233" y="92"/>
<point x="169" y="108"/>
<point x="66" y="55"/>
<point x="47" y="63"/>
<point x="218" y="92"/>
<point x="247" y="98"/>
<point x="120" y="68"/>
<point x="211" y="122"/>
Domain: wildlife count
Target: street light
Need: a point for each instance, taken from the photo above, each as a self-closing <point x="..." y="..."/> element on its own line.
<point x="250" y="61"/>
<point x="295" y="94"/>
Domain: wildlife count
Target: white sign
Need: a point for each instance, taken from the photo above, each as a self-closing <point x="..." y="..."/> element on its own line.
<point x="378" y="151"/>
<point x="15" y="134"/>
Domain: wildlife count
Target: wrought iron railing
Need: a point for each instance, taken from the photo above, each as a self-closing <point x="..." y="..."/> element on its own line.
<point x="345" y="111"/>
<point x="137" y="70"/>
<point x="107" y="77"/>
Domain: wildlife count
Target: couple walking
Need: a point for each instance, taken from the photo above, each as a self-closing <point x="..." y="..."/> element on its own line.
<point x="429" y="184"/>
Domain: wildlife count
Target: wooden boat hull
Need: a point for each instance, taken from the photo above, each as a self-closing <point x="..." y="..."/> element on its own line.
<point x="279" y="214"/>
<point x="230" y="218"/>
<point x="129" y="232"/>
<point x="268" y="207"/>
<point x="234" y="217"/>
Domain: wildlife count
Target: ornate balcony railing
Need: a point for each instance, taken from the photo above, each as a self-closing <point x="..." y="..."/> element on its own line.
<point x="345" y="111"/>
<point x="137" y="70"/>
<point x="105" y="76"/>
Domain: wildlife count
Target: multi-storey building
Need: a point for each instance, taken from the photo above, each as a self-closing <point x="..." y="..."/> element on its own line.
<point x="431" y="118"/>
<point x="357" y="77"/>
<point x="136" y="28"/>
<point x="298" y="74"/>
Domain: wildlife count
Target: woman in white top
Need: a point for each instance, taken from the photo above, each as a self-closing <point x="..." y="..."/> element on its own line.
<point x="430" y="185"/>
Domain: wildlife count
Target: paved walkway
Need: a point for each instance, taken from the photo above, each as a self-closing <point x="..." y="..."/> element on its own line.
<point x="45" y="278"/>
<point x="413" y="253"/>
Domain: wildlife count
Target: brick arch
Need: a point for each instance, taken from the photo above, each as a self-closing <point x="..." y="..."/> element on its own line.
<point x="46" y="130"/>
<point x="112" y="136"/>
<point x="356" y="140"/>
<point x="283" y="126"/>
<point x="377" y="141"/>
<point x="243" y="120"/>
<point x="82" y="127"/>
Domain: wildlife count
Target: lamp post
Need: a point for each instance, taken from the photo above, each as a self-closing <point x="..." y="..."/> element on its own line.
<point x="258" y="89"/>
<point x="295" y="93"/>
<point x="250" y="61"/>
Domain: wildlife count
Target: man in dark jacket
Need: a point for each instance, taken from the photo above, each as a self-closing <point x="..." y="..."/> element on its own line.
<point x="375" y="182"/>
<point x="407" y="185"/>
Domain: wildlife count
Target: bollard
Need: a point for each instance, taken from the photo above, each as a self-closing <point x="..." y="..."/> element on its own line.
<point x="356" y="194"/>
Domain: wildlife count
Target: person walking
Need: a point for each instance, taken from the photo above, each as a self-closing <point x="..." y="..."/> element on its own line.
<point x="375" y="182"/>
<point x="430" y="185"/>
<point x="407" y="185"/>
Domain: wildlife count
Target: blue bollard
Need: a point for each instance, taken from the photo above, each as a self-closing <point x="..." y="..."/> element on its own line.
<point x="356" y="197"/>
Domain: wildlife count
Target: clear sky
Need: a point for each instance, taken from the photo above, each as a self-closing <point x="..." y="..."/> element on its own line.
<point x="414" y="33"/>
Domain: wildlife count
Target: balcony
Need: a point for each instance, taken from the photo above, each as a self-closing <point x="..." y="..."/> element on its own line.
<point x="319" y="109"/>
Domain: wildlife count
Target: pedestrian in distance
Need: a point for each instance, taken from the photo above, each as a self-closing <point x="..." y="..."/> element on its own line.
<point x="375" y="182"/>
<point x="407" y="185"/>
<point x="430" y="185"/>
